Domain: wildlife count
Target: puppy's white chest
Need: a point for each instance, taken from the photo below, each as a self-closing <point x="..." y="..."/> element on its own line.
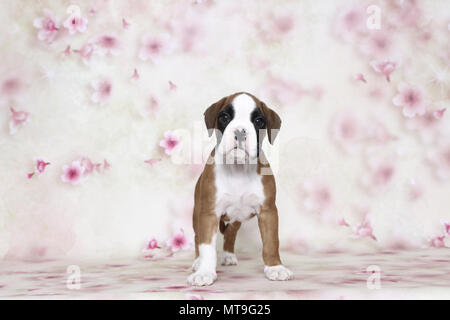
<point x="239" y="195"/>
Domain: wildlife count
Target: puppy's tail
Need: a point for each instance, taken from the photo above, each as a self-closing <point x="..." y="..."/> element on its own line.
<point x="222" y="226"/>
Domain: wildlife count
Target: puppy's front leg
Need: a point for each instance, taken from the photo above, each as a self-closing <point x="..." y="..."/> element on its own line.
<point x="205" y="271"/>
<point x="268" y="226"/>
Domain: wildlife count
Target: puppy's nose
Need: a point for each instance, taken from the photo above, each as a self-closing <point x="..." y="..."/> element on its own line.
<point x="240" y="135"/>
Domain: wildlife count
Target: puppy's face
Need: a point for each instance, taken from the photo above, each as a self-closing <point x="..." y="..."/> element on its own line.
<point x="241" y="122"/>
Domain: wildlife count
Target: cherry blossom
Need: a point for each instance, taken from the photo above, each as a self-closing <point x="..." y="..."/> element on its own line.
<point x="178" y="242"/>
<point x="364" y="229"/>
<point x="73" y="174"/>
<point x="102" y="91"/>
<point x="172" y="86"/>
<point x="427" y="125"/>
<point x="360" y="77"/>
<point x="66" y="51"/>
<point x="411" y="99"/>
<point x="152" y="161"/>
<point x="317" y="196"/>
<point x="47" y="25"/>
<point x="342" y="222"/>
<point x="18" y="119"/>
<point x="152" y="244"/>
<point x="154" y="47"/>
<point x="135" y="75"/>
<point x="107" y="44"/>
<point x="439" y="157"/>
<point x="385" y="67"/>
<point x="378" y="45"/>
<point x="106" y="165"/>
<point x="437" y="242"/>
<point x="125" y="23"/>
<point x="350" y="22"/>
<point x="170" y="142"/>
<point x="447" y="227"/>
<point x="380" y="171"/>
<point x="75" y="23"/>
<point x="438" y="114"/>
<point x="40" y="165"/>
<point x="346" y="130"/>
<point x="11" y="86"/>
<point x="89" y="166"/>
<point x="86" y="52"/>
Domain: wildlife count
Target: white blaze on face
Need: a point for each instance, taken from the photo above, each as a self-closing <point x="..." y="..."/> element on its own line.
<point x="232" y="148"/>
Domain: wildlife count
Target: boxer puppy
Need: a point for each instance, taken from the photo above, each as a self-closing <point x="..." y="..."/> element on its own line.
<point x="236" y="185"/>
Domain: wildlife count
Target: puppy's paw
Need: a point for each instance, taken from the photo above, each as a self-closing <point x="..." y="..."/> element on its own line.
<point x="278" y="273"/>
<point x="228" y="259"/>
<point x="196" y="264"/>
<point x="202" y="278"/>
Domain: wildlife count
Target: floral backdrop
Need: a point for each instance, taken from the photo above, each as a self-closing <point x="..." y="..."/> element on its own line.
<point x="99" y="100"/>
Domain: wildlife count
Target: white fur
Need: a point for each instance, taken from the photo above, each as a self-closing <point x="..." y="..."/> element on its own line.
<point x="278" y="273"/>
<point x="228" y="259"/>
<point x="205" y="267"/>
<point x="240" y="191"/>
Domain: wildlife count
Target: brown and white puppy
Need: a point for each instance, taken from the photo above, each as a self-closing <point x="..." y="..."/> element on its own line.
<point x="236" y="185"/>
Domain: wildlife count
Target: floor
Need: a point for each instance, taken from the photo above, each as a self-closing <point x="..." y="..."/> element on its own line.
<point x="404" y="275"/>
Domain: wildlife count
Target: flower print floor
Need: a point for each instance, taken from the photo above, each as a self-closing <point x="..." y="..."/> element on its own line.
<point x="408" y="274"/>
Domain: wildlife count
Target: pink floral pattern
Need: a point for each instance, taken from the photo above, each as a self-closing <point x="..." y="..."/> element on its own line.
<point x="411" y="99"/>
<point x="48" y="27"/>
<point x="73" y="173"/>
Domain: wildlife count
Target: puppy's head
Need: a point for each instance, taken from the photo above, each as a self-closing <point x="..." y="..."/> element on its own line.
<point x="241" y="121"/>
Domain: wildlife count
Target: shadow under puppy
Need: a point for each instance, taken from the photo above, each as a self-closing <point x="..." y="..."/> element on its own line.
<point x="236" y="185"/>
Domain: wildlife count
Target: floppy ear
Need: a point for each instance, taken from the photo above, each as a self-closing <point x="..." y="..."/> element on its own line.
<point x="273" y="122"/>
<point x="211" y="115"/>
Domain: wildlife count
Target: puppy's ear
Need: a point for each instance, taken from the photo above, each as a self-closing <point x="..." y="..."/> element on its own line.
<point x="211" y="115"/>
<point x="273" y="122"/>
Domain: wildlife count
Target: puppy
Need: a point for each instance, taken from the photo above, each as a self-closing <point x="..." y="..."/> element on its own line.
<point x="236" y="185"/>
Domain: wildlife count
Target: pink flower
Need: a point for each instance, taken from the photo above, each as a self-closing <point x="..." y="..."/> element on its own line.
<point x="350" y="22"/>
<point x="47" y="25"/>
<point x="154" y="47"/>
<point x="73" y="173"/>
<point x="385" y="67"/>
<point x="89" y="166"/>
<point x="18" y="119"/>
<point x="135" y="75"/>
<point x="108" y="44"/>
<point x="106" y="165"/>
<point x="346" y="130"/>
<point x="152" y="161"/>
<point x="440" y="159"/>
<point x="172" y="86"/>
<point x="378" y="176"/>
<point x="178" y="242"/>
<point x="125" y="23"/>
<point x="438" y="242"/>
<point x="30" y="175"/>
<point x="40" y="165"/>
<point x="11" y="86"/>
<point x="447" y="227"/>
<point x="378" y="45"/>
<point x="360" y="77"/>
<point x="317" y="196"/>
<point x="438" y="114"/>
<point x="426" y="125"/>
<point x="75" y="23"/>
<point x="152" y="244"/>
<point x="86" y="52"/>
<point x="342" y="222"/>
<point x="66" y="51"/>
<point x="169" y="142"/>
<point x="412" y="99"/>
<point x="102" y="91"/>
<point x="364" y="229"/>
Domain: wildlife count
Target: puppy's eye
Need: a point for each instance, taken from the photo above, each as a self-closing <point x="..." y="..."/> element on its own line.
<point x="224" y="117"/>
<point x="259" y="122"/>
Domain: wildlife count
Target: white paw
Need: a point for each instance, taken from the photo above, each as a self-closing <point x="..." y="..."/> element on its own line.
<point x="279" y="272"/>
<point x="196" y="264"/>
<point x="202" y="278"/>
<point x="228" y="259"/>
